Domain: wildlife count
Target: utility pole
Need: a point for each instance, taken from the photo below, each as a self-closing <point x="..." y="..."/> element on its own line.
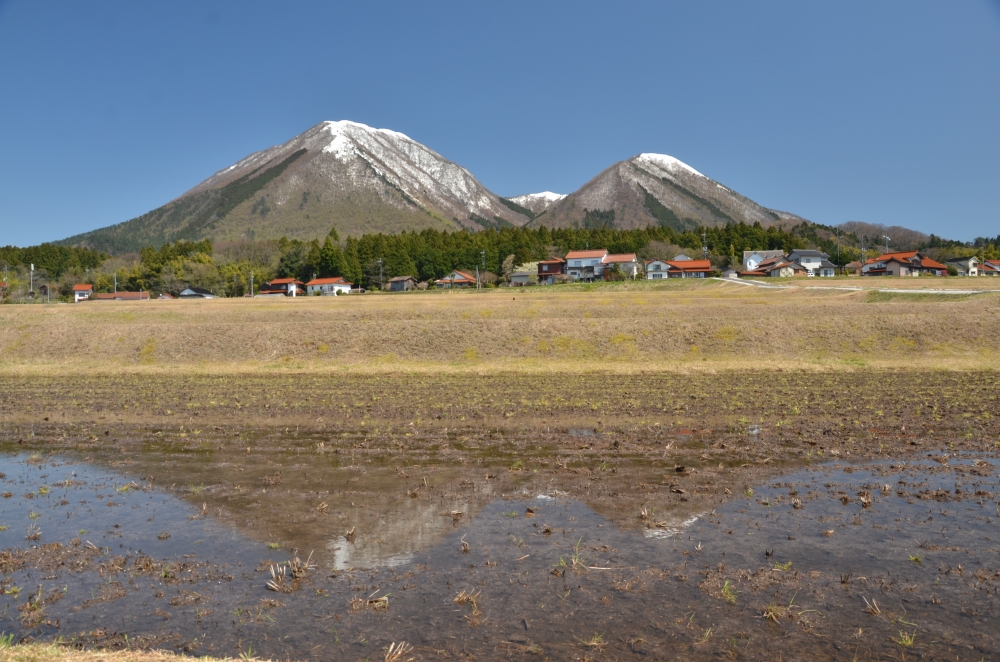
<point x="251" y="284"/>
<point x="116" y="282"/>
<point x="477" y="276"/>
<point x="380" y="261"/>
<point x="704" y="246"/>
<point x="886" y="243"/>
<point x="31" y="279"/>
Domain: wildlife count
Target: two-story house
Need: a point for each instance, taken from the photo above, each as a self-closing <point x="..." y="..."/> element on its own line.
<point x="586" y="265"/>
<point x="816" y="263"/>
<point x="656" y="269"/>
<point x="966" y="266"/>
<point x="627" y="263"/>
<point x="549" y="270"/>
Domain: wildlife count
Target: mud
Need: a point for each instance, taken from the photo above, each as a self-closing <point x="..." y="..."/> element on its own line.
<point x="583" y="542"/>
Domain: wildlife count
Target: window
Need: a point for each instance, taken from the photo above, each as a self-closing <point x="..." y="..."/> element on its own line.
<point x="545" y="267"/>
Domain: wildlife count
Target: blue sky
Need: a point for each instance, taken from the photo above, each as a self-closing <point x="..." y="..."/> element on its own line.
<point x="885" y="112"/>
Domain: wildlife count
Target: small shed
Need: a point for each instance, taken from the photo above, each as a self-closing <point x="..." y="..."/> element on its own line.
<point x="402" y="284"/>
<point x="82" y="292"/>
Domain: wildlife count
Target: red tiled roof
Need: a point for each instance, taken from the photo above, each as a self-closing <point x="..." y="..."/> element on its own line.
<point x="282" y="281"/>
<point x="83" y="288"/>
<point x="576" y="255"/>
<point x="899" y="255"/>
<point x="690" y="265"/>
<point x="552" y="260"/>
<point x="338" y="280"/>
<point x="928" y="263"/>
<point x="619" y="257"/>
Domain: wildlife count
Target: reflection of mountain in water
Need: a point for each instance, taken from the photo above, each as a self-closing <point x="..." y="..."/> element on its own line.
<point x="412" y="527"/>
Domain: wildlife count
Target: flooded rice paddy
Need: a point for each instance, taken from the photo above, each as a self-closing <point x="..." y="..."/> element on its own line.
<point x="310" y="549"/>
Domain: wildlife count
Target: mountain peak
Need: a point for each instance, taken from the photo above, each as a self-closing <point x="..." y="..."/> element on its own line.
<point x="667" y="162"/>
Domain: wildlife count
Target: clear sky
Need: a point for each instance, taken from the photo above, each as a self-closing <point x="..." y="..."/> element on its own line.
<point x="885" y="112"/>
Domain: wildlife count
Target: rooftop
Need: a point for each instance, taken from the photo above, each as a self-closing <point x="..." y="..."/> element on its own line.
<point x="577" y="255"/>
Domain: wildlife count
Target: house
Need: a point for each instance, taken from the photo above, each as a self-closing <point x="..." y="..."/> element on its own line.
<point x="586" y="265"/>
<point x="730" y="273"/>
<point x="285" y="287"/>
<point x="195" y="293"/>
<point x="966" y="266"/>
<point x="990" y="268"/>
<point x="522" y="278"/>
<point x="752" y="259"/>
<point x="331" y="286"/>
<point x="82" y="292"/>
<point x="549" y="270"/>
<point x="656" y="269"/>
<point x="689" y="268"/>
<point x="627" y="263"/>
<point x="785" y="268"/>
<point x="122" y="296"/>
<point x="456" y="279"/>
<point x="903" y="263"/>
<point x="764" y="267"/>
<point x="812" y="261"/>
<point x="401" y="284"/>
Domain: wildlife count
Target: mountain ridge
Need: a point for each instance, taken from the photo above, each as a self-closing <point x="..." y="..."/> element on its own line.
<point x="360" y="179"/>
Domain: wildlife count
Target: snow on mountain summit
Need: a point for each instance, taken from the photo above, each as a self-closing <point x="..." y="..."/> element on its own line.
<point x="538" y="202"/>
<point x="667" y="162"/>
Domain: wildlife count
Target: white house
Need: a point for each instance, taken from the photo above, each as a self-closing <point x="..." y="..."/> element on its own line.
<point x="586" y="265"/>
<point x="328" y="286"/>
<point x="752" y="259"/>
<point x="82" y="292"/>
<point x="627" y="263"/>
<point x="812" y="261"/>
<point x="967" y="266"/>
<point x="656" y="269"/>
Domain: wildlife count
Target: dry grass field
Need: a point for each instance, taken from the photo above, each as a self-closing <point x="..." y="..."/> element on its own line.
<point x="624" y="328"/>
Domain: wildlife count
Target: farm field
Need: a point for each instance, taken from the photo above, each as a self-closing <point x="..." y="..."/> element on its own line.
<point x="617" y="327"/>
<point x="764" y="475"/>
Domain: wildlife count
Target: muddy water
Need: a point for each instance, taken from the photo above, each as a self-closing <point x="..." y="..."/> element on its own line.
<point x="828" y="562"/>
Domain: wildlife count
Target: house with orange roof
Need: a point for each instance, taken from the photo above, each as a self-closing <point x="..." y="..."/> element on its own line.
<point x="282" y="287"/>
<point x="586" y="265"/>
<point x="82" y="292"/>
<point x="456" y="279"/>
<point x="627" y="263"/>
<point x="990" y="268"/>
<point x="328" y="286"/>
<point x="903" y="263"/>
<point x="678" y="268"/>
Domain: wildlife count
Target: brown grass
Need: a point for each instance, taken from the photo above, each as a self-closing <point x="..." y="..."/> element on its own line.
<point x="625" y="328"/>
<point x="53" y="653"/>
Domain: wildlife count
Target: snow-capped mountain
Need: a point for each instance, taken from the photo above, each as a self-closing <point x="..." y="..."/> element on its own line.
<point x="337" y="174"/>
<point x="655" y="189"/>
<point x="357" y="179"/>
<point x="538" y="202"/>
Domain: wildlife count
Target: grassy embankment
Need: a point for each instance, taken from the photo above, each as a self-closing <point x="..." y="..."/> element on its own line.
<point x="631" y="328"/>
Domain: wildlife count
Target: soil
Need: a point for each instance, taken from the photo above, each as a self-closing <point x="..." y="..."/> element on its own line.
<point x="793" y="518"/>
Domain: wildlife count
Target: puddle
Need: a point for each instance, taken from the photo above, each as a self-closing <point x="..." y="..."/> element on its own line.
<point x="475" y="558"/>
